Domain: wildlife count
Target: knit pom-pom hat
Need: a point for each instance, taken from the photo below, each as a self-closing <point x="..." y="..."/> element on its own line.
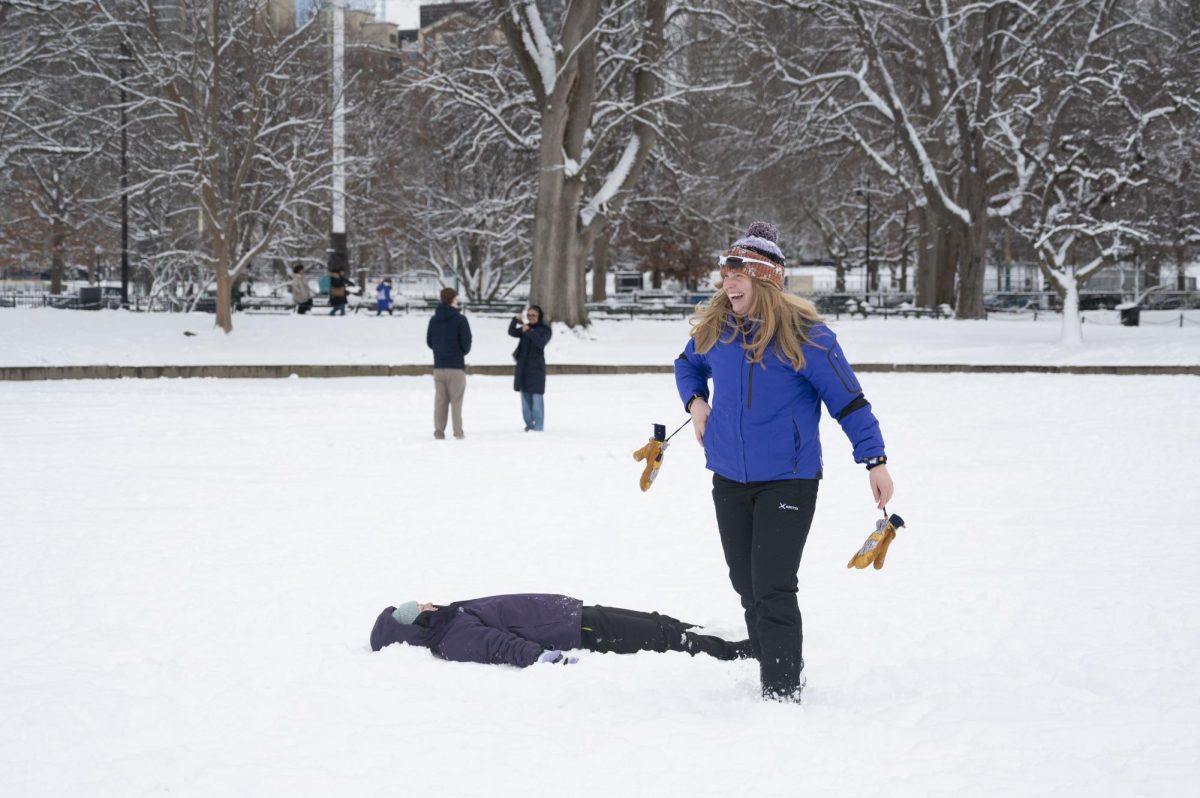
<point x="759" y="254"/>
<point x="406" y="612"/>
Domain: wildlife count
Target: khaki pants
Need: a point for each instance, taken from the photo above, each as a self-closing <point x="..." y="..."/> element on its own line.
<point x="449" y="386"/>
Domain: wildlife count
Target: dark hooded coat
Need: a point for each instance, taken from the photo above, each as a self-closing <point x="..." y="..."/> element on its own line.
<point x="512" y="629"/>
<point x="530" y="373"/>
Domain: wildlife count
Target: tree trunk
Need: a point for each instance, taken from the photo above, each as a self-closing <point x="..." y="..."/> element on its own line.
<point x="600" y="265"/>
<point x="972" y="256"/>
<point x="938" y="258"/>
<point x="57" y="237"/>
<point x="1072" y="323"/>
<point x="839" y="279"/>
<point x="949" y="243"/>
<point x="224" y="284"/>
<point x="1179" y="245"/>
<point x="1180" y="265"/>
<point x="557" y="276"/>
<point x="1153" y="268"/>
<point x="971" y="244"/>
<point x="927" y="245"/>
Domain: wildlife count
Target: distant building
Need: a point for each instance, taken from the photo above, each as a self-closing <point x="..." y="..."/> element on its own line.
<point x="432" y="13"/>
<point x="450" y="26"/>
<point x="373" y="45"/>
<point x="306" y="9"/>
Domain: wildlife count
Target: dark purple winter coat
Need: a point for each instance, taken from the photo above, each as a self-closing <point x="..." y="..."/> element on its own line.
<point x="512" y="630"/>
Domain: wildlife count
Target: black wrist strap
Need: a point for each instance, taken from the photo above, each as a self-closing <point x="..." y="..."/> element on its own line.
<point x="871" y="462"/>
<point x="688" y="407"/>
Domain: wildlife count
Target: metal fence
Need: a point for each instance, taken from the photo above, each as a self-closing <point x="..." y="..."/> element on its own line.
<point x="835" y="305"/>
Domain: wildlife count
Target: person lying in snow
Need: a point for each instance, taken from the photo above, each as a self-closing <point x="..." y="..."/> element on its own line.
<point x="525" y="628"/>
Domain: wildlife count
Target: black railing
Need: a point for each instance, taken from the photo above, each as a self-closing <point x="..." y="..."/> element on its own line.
<point x="836" y="305"/>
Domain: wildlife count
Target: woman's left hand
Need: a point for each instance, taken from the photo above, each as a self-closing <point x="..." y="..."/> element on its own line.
<point x="881" y="485"/>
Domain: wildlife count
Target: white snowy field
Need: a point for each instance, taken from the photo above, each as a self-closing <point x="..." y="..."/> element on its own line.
<point x="189" y="570"/>
<point x="49" y="337"/>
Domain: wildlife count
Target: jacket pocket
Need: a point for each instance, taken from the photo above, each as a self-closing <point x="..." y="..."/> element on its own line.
<point x="839" y="366"/>
<point x="796" y="444"/>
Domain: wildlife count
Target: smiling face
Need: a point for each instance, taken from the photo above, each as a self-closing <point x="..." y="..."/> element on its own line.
<point x="739" y="287"/>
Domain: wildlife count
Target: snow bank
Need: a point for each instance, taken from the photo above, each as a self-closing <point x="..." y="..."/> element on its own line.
<point x="189" y="570"/>
<point x="48" y="337"/>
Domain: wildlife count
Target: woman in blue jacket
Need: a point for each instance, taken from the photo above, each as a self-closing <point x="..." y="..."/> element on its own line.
<point x="773" y="363"/>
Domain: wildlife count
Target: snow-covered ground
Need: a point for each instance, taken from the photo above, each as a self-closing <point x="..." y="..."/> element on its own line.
<point x="48" y="337"/>
<point x="189" y="570"/>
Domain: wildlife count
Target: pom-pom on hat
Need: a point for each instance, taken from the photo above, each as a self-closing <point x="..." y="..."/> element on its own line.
<point x="759" y="254"/>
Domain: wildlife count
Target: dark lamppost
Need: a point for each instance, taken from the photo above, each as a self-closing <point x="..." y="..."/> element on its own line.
<point x="124" y="187"/>
<point x="867" y="260"/>
<point x="904" y="250"/>
<point x="339" y="259"/>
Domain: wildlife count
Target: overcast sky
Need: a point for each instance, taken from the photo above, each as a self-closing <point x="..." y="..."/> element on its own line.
<point x="405" y="13"/>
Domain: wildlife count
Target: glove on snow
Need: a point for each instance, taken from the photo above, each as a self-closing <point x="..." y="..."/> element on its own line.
<point x="874" y="550"/>
<point x="652" y="453"/>
<point x="556" y="657"/>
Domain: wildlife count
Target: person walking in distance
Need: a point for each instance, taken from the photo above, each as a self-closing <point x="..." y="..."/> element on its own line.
<point x="773" y="362"/>
<point x="449" y="336"/>
<point x="529" y="376"/>
<point x="339" y="292"/>
<point x="301" y="293"/>
<point x="383" y="297"/>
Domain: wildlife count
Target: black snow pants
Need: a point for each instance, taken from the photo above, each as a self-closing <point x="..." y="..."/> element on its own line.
<point x="611" y="629"/>
<point x="763" y="528"/>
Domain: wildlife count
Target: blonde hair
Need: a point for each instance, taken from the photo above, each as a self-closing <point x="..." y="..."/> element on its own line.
<point x="783" y="319"/>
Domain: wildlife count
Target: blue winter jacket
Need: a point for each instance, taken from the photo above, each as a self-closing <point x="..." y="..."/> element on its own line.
<point x="449" y="336"/>
<point x="513" y="629"/>
<point x="383" y="296"/>
<point x="765" y="416"/>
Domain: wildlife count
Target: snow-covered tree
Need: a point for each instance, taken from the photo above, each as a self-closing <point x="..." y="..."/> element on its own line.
<point x="594" y="78"/>
<point x="35" y="40"/>
<point x="247" y="104"/>
<point x="48" y="168"/>
<point x="1089" y="109"/>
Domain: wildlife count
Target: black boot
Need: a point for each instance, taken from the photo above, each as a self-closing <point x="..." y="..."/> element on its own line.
<point x="784" y="682"/>
<point x="745" y="649"/>
<point x="717" y="647"/>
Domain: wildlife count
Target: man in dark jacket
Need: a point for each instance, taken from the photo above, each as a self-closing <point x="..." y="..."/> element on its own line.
<point x="525" y="628"/>
<point x="529" y="376"/>
<point x="449" y="336"/>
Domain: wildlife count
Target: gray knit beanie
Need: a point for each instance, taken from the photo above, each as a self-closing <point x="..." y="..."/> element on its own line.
<point x="406" y="612"/>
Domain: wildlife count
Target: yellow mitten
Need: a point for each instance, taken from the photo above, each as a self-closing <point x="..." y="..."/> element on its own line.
<point x="652" y="453"/>
<point x="874" y="550"/>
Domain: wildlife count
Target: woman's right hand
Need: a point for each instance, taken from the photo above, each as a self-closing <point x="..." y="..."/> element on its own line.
<point x="699" y="411"/>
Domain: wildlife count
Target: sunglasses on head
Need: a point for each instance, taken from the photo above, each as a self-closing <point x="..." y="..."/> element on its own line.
<point x="738" y="262"/>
